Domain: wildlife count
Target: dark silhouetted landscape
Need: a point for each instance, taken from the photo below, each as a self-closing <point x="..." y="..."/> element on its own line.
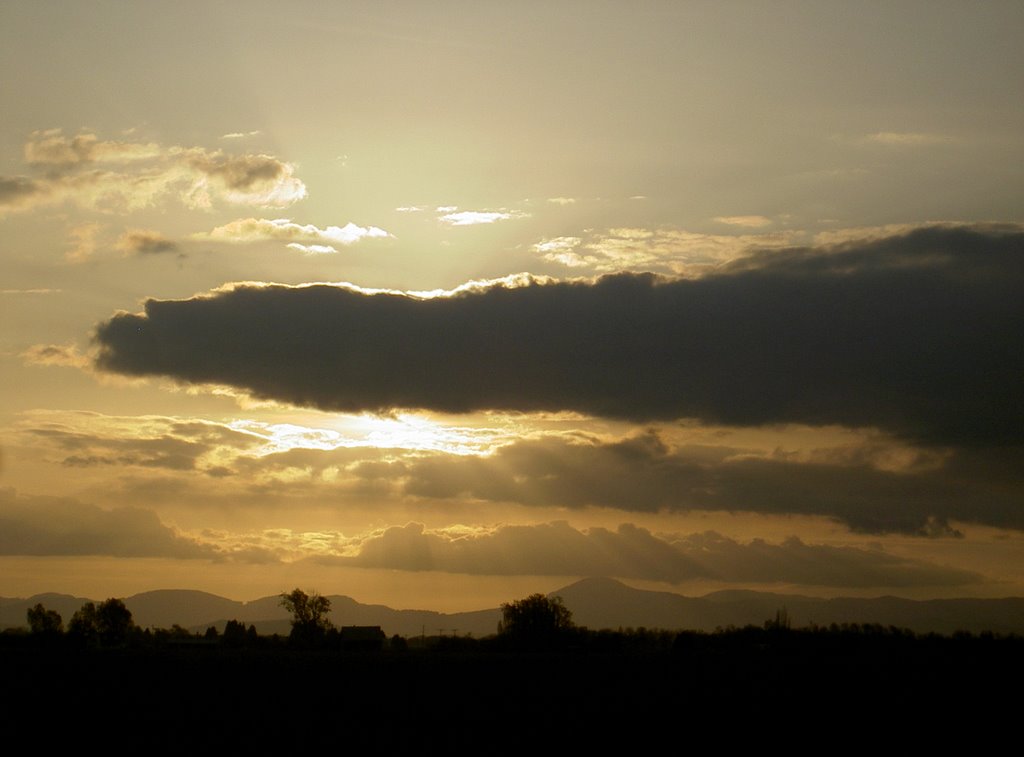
<point x="596" y="603"/>
<point x="373" y="681"/>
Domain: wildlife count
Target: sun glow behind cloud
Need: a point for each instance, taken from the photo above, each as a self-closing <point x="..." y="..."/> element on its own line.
<point x="511" y="281"/>
<point x="405" y="431"/>
<point x="776" y="208"/>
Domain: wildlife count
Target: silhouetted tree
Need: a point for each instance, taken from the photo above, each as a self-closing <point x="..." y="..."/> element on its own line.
<point x="109" y="623"/>
<point x="234" y="634"/>
<point x="309" y="616"/>
<point x="114" y="622"/>
<point x="177" y="632"/>
<point x="535" y="618"/>
<point x="83" y="627"/>
<point x="781" y="622"/>
<point x="44" y="622"/>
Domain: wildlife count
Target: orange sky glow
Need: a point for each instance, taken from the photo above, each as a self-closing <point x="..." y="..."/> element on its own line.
<point x="436" y="306"/>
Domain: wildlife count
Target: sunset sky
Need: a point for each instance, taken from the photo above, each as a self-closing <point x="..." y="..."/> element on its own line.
<point x="440" y="304"/>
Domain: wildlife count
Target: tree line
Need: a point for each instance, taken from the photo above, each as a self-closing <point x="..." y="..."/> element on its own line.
<point x="537" y="622"/>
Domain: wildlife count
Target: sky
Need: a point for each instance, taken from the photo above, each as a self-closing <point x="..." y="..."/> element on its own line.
<point x="441" y="304"/>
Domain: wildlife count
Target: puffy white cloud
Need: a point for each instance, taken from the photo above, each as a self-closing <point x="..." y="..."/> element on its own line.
<point x="312" y="249"/>
<point x="284" y="229"/>
<point x="475" y="217"/>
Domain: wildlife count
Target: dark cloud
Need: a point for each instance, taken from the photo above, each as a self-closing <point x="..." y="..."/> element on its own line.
<point x="634" y="552"/>
<point x="18" y="191"/>
<point x="642" y="475"/>
<point x="145" y="242"/>
<point x="921" y="335"/>
<point x="59" y="526"/>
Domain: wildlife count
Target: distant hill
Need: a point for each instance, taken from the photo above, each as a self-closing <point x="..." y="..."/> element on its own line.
<point x="606" y="603"/>
<point x="595" y="603"/>
<point x="198" y="610"/>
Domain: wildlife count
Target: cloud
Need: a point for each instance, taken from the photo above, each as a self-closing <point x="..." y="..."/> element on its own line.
<point x="920" y="335"/>
<point x="56" y="354"/>
<point x="83" y="242"/>
<point x="91" y="440"/>
<point x="312" y="249"/>
<point x="57" y="526"/>
<point x="52" y="149"/>
<point x="145" y="242"/>
<point x="123" y="176"/>
<point x="670" y="251"/>
<point x="561" y="250"/>
<point x="254" y="448"/>
<point x="859" y="487"/>
<point x="242" y="179"/>
<point x="633" y="552"/>
<point x="19" y="192"/>
<point x="755" y="222"/>
<point x="240" y="134"/>
<point x="246" y="230"/>
<point x="868" y="234"/>
<point x="871" y="483"/>
<point x="454" y="217"/>
<point x="168" y="452"/>
<point x="562" y="200"/>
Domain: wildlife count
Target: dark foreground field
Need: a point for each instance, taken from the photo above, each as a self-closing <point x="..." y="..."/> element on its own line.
<point x="734" y="688"/>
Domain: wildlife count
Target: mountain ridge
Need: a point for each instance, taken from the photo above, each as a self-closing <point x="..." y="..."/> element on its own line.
<point x="595" y="603"/>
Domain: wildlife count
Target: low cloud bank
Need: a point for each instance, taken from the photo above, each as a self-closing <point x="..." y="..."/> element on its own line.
<point x="633" y="552"/>
<point x="50" y="526"/>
